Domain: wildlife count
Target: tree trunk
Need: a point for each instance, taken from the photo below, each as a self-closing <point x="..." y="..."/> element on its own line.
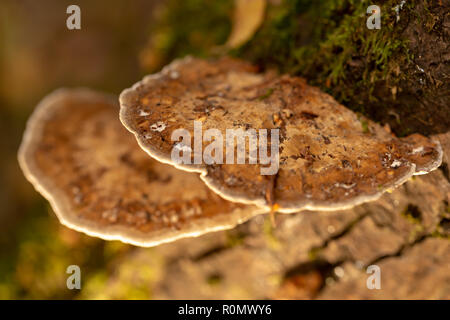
<point x="398" y="75"/>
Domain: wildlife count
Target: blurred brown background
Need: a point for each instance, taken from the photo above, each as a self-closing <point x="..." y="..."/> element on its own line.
<point x="37" y="55"/>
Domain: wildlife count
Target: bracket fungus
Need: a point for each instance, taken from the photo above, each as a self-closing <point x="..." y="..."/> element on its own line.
<point x="329" y="157"/>
<point x="77" y="154"/>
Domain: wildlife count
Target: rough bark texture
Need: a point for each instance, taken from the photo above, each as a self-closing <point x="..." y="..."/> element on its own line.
<point x="397" y="75"/>
<point x="319" y="255"/>
<point x="423" y="91"/>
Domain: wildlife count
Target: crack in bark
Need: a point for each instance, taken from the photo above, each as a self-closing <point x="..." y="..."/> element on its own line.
<point x="349" y="227"/>
<point x="219" y="248"/>
<point x="400" y="251"/>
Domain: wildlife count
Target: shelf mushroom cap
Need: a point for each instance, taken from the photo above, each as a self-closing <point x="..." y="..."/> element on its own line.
<point x="329" y="157"/>
<point x="77" y="155"/>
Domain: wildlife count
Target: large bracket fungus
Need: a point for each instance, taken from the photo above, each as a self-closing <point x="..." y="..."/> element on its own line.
<point x="78" y="155"/>
<point x="329" y="157"/>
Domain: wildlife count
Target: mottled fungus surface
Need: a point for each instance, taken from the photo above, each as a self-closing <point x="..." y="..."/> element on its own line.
<point x="329" y="157"/>
<point x="78" y="155"/>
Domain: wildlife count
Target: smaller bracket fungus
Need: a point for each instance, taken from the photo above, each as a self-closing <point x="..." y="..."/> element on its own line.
<point x="328" y="157"/>
<point x="77" y="154"/>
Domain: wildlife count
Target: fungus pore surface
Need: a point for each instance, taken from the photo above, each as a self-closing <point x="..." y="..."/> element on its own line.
<point x="329" y="157"/>
<point x="78" y="155"/>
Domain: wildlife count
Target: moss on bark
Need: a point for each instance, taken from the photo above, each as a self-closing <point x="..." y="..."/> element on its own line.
<point x="396" y="75"/>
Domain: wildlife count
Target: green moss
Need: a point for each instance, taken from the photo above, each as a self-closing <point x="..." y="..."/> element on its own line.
<point x="214" y="280"/>
<point x="328" y="42"/>
<point x="313" y="253"/>
<point x="40" y="251"/>
<point x="234" y="238"/>
<point x="272" y="240"/>
<point x="439" y="234"/>
<point x="412" y="214"/>
<point x="193" y="27"/>
<point x="325" y="41"/>
<point x="364" y="125"/>
<point x="267" y="94"/>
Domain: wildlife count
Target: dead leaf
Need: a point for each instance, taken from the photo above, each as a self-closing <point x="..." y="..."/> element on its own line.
<point x="248" y="16"/>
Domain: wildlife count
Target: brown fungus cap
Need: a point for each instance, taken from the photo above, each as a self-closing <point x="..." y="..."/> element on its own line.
<point x="78" y="155"/>
<point x="329" y="157"/>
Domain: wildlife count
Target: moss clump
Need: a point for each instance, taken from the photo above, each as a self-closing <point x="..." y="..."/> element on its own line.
<point x="374" y="72"/>
<point x="267" y="94"/>
<point x="313" y="253"/>
<point x="328" y="43"/>
<point x="269" y="232"/>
